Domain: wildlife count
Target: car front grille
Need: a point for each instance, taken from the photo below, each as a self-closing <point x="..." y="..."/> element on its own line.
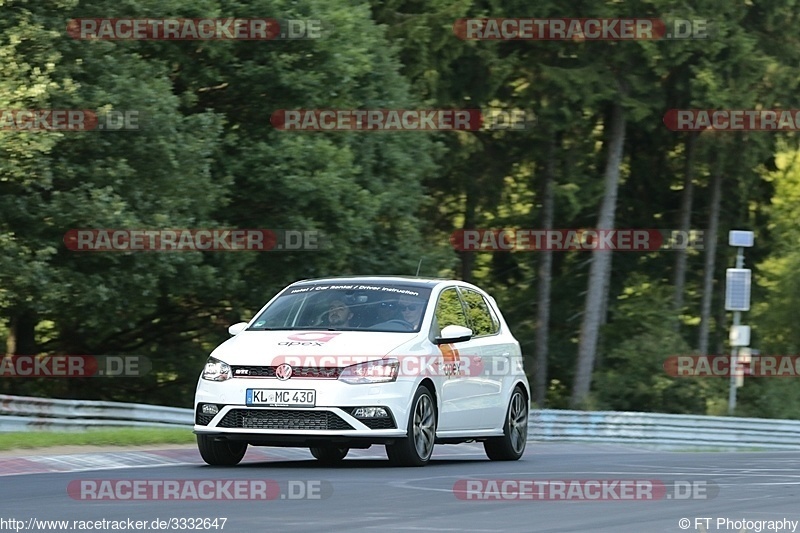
<point x="283" y="419"/>
<point x="319" y="372"/>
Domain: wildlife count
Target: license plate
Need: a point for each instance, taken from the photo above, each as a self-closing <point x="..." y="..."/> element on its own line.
<point x="282" y="397"/>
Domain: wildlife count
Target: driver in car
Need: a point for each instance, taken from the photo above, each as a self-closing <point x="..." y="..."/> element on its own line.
<point x="410" y="309"/>
<point x="399" y="315"/>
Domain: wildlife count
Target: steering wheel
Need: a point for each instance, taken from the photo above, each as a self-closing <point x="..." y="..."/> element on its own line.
<point x="407" y="326"/>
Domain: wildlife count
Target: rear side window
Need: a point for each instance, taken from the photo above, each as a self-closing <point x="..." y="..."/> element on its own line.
<point x="482" y="320"/>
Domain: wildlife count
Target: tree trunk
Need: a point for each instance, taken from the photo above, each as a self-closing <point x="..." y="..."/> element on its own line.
<point x="468" y="258"/>
<point x="684" y="225"/>
<point x="545" y="279"/>
<point x="601" y="261"/>
<point x="710" y="241"/>
<point x="21" y="334"/>
<point x="598" y="360"/>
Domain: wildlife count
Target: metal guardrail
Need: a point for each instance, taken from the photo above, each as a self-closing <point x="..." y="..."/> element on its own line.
<point x="20" y="413"/>
<point x="663" y="430"/>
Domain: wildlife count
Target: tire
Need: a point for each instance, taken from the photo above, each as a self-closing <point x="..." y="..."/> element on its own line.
<point x="417" y="447"/>
<point x="329" y="455"/>
<point x="220" y="453"/>
<point x="511" y="445"/>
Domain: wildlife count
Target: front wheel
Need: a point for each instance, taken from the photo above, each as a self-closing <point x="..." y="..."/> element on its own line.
<point x="416" y="449"/>
<point x="328" y="455"/>
<point x="511" y="445"/>
<point x="220" y="452"/>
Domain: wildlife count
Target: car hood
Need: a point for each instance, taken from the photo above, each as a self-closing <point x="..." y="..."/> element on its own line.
<point x="265" y="348"/>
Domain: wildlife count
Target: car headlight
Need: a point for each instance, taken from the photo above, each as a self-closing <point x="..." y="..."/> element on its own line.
<point x="216" y="370"/>
<point x="381" y="371"/>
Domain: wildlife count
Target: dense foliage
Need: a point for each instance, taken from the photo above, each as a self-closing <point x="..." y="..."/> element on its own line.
<point x="207" y="156"/>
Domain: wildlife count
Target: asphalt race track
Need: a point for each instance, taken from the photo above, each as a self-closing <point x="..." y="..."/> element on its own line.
<point x="364" y="493"/>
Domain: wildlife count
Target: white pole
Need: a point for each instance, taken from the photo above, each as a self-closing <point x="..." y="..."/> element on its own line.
<point x="737" y="320"/>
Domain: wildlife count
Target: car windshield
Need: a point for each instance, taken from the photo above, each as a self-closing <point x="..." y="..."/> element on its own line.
<point x="346" y="307"/>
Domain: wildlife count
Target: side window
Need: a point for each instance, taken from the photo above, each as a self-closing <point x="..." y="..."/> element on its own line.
<point x="481" y="319"/>
<point x="449" y="311"/>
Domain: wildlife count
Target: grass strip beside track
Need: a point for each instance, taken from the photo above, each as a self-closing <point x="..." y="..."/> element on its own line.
<point x="96" y="437"/>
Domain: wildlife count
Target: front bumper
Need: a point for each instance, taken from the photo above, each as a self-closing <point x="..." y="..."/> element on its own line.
<point x="331" y="420"/>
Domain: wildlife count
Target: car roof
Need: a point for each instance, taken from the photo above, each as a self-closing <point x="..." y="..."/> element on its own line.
<point x="406" y="280"/>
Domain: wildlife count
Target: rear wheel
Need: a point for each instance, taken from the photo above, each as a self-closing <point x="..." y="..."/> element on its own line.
<point x="220" y="452"/>
<point x="329" y="454"/>
<point x="511" y="445"/>
<point x="416" y="449"/>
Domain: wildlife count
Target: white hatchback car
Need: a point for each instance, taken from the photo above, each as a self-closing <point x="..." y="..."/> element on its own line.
<point x="335" y="364"/>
